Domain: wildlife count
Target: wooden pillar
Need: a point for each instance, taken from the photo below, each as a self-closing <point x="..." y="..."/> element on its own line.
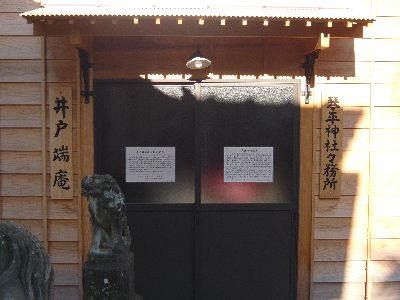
<point x="86" y="164"/>
<point x="43" y="137"/>
<point x="305" y="200"/>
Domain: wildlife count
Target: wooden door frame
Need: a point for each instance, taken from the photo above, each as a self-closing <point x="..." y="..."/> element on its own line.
<point x="304" y="242"/>
<point x="306" y="186"/>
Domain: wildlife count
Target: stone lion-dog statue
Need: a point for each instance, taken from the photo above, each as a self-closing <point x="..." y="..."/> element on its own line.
<point x="25" y="269"/>
<point x="111" y="236"/>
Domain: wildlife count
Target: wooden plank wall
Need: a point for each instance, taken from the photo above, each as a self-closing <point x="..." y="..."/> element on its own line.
<point x="24" y="136"/>
<point x="385" y="152"/>
<point x="341" y="225"/>
<point x="357" y="238"/>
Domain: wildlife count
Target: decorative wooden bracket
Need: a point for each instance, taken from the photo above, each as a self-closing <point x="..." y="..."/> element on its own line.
<point x="309" y="62"/>
<point x="323" y="42"/>
<point x="85" y="68"/>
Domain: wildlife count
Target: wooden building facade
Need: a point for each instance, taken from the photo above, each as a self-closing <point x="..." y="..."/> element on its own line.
<point x="348" y="248"/>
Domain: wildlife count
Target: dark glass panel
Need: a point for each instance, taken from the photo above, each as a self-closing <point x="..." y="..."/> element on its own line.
<point x="247" y="116"/>
<point x="144" y="115"/>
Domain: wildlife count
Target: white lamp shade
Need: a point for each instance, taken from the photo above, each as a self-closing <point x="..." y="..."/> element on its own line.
<point x="198" y="62"/>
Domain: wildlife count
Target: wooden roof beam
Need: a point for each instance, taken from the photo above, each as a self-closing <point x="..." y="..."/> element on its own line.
<point x="78" y="41"/>
<point x="323" y="42"/>
<point x="235" y="27"/>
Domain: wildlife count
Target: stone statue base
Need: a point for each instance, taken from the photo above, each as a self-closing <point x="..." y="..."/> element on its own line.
<point x="108" y="279"/>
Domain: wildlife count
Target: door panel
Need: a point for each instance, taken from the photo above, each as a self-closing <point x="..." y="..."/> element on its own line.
<point x="163" y="247"/>
<point x="245" y="254"/>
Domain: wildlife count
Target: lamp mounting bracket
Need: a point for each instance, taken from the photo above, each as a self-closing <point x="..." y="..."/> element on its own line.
<point x="308" y="66"/>
<point x="85" y="66"/>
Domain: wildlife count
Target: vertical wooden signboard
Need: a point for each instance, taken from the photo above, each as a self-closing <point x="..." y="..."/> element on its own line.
<point x="60" y="106"/>
<point x="331" y="147"/>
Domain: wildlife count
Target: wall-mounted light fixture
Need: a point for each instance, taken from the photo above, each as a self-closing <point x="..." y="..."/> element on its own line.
<point x="197" y="61"/>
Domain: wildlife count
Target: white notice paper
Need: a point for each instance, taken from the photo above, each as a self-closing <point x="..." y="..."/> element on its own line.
<point x="150" y="164"/>
<point x="248" y="164"/>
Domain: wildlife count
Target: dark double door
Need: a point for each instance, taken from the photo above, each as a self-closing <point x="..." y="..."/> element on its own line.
<point x="222" y="228"/>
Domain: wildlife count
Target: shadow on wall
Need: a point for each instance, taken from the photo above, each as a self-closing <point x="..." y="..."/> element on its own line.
<point x="385" y="283"/>
<point x="341" y="225"/>
<point x="127" y="58"/>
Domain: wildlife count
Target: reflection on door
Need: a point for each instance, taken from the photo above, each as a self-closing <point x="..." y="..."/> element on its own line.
<point x="247" y="116"/>
<point x="142" y="115"/>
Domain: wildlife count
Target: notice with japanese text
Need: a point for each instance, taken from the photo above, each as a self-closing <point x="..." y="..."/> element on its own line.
<point x="150" y="164"/>
<point x="248" y="164"/>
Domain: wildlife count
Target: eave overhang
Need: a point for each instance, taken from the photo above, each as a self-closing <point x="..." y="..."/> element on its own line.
<point x="205" y="21"/>
<point x="295" y="13"/>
